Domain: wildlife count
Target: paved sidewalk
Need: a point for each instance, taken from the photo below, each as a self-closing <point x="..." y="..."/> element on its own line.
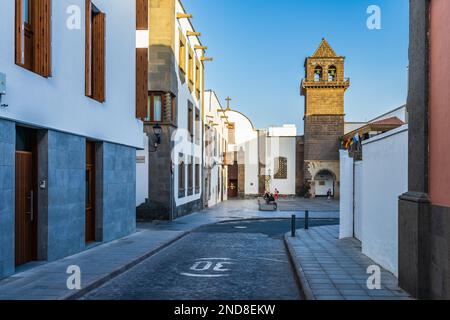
<point x="333" y="269"/>
<point x="47" y="281"/>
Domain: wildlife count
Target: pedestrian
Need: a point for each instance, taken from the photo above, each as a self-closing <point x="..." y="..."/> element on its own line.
<point x="329" y="195"/>
<point x="277" y="194"/>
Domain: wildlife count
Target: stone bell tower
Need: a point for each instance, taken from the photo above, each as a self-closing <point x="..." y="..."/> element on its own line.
<point x="324" y="89"/>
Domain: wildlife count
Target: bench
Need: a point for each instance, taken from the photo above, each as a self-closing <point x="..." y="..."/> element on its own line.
<point x="263" y="206"/>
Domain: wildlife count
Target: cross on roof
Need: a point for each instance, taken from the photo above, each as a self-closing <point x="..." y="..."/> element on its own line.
<point x="228" y="99"/>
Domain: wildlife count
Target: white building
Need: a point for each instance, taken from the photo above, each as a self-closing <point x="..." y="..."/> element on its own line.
<point x="69" y="134"/>
<point x="264" y="159"/>
<point x="216" y="149"/>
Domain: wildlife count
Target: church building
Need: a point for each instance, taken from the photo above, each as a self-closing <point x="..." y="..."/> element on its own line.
<point x="324" y="88"/>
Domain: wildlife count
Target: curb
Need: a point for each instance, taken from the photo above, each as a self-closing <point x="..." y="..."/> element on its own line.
<point x="300" y="275"/>
<point x="101" y="281"/>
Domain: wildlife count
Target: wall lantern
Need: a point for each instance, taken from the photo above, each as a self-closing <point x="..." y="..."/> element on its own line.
<point x="142" y="39"/>
<point x="157" y="131"/>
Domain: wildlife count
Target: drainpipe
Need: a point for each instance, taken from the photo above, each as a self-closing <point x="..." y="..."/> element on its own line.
<point x="353" y="198"/>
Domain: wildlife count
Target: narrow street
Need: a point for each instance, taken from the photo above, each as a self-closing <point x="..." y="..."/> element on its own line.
<point x="229" y="261"/>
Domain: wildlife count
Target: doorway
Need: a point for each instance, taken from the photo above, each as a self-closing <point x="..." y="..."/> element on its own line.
<point x="233" y="180"/>
<point x="324" y="182"/>
<point x="26" y="214"/>
<point x="90" y="193"/>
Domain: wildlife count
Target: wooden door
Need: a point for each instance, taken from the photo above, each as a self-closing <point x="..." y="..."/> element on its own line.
<point x="26" y="208"/>
<point x="232" y="189"/>
<point x="90" y="192"/>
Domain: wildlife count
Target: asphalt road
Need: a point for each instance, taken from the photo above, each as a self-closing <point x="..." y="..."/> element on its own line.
<point x="232" y="261"/>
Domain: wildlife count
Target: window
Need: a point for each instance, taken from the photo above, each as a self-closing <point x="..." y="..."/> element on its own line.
<point x="182" y="53"/>
<point x="191" y="70"/>
<point x="95" y="53"/>
<point x="318" y="72"/>
<point x="197" y="79"/>
<point x="33" y="36"/>
<point x="181" y="177"/>
<point x="190" y="177"/>
<point x="154" y="107"/>
<point x="197" y="126"/>
<point x="280" y="168"/>
<point x="231" y="134"/>
<point x="197" y="176"/>
<point x="190" y="119"/>
<point x="332" y="73"/>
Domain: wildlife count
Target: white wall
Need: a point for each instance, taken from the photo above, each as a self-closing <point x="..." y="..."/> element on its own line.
<point x="59" y="102"/>
<point x="287" y="130"/>
<point x="142" y="169"/>
<point x="282" y="147"/>
<point x="379" y="180"/>
<point x="384" y="179"/>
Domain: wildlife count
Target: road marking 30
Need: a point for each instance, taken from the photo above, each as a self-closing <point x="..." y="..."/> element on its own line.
<point x="210" y="268"/>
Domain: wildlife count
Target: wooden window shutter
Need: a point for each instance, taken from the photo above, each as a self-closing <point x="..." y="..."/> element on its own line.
<point x="98" y="57"/>
<point x="33" y="37"/>
<point x="141" y="62"/>
<point x="19" y="32"/>
<point x="88" y="49"/>
<point x="42" y="37"/>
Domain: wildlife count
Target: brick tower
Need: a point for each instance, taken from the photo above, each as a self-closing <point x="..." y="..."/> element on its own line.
<point x="324" y="89"/>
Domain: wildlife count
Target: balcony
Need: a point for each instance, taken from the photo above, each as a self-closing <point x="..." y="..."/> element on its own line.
<point x="306" y="83"/>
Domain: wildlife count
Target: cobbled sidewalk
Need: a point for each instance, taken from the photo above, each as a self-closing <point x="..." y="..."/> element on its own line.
<point x="333" y="269"/>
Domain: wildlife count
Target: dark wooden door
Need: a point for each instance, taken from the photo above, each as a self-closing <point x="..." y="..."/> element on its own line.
<point x="90" y="192"/>
<point x="232" y="189"/>
<point x="26" y="209"/>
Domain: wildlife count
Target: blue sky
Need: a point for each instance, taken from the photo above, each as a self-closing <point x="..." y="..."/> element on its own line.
<point x="259" y="48"/>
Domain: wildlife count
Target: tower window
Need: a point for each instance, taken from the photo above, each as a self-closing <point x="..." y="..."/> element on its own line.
<point x="332" y="73"/>
<point x="318" y="72"/>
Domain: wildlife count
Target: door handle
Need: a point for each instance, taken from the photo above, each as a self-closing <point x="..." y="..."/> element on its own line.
<point x="31" y="199"/>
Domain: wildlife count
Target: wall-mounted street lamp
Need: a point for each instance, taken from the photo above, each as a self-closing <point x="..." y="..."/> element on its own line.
<point x="157" y="131"/>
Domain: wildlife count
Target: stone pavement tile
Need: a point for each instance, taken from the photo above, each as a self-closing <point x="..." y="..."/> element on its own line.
<point x="353" y="292"/>
<point x="358" y="298"/>
<point x="343" y="281"/>
<point x="381" y="293"/>
<point x="326" y="292"/>
<point x="328" y="286"/>
<point x="320" y="281"/>
<point x="347" y="286"/>
<point x="329" y="298"/>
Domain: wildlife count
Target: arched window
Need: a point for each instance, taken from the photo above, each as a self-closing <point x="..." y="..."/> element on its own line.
<point x="280" y="168"/>
<point x="332" y="73"/>
<point x="318" y="72"/>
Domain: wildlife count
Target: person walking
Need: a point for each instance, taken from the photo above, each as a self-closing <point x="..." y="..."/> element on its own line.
<point x="277" y="194"/>
<point x="329" y="195"/>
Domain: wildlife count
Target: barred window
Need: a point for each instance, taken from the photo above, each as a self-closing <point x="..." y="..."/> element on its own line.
<point x="280" y="168"/>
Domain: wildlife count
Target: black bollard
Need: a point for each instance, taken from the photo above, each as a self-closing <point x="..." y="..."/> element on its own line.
<point x="306" y="220"/>
<point x="293" y="228"/>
